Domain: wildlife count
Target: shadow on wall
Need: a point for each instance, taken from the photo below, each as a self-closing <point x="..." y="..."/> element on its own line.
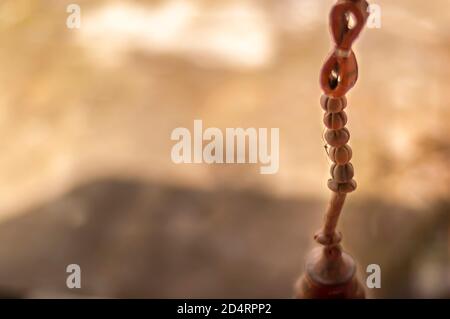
<point x="135" y="239"/>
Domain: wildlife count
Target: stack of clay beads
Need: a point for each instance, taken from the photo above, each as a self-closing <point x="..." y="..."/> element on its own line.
<point x="337" y="137"/>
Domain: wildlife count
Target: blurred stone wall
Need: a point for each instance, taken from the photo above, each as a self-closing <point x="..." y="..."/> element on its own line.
<point x="100" y="102"/>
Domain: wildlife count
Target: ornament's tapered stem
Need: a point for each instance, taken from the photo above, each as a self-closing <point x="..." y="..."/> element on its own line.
<point x="333" y="213"/>
<point x="330" y="272"/>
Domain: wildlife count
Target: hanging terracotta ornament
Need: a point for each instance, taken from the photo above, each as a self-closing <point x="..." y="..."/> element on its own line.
<point x="330" y="272"/>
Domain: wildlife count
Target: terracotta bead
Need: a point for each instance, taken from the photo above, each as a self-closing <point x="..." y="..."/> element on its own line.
<point x="337" y="137"/>
<point x="347" y="187"/>
<point x="335" y="121"/>
<point x="333" y="105"/>
<point x="342" y="173"/>
<point x="322" y="238"/>
<point x="333" y="185"/>
<point x="341" y="155"/>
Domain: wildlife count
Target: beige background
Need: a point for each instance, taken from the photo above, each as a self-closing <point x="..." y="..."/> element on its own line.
<point x="85" y="169"/>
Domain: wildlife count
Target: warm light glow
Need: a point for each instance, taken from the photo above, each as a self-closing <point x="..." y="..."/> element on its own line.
<point x="232" y="34"/>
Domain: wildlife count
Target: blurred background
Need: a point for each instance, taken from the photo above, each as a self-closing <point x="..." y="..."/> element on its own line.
<point x="85" y="170"/>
